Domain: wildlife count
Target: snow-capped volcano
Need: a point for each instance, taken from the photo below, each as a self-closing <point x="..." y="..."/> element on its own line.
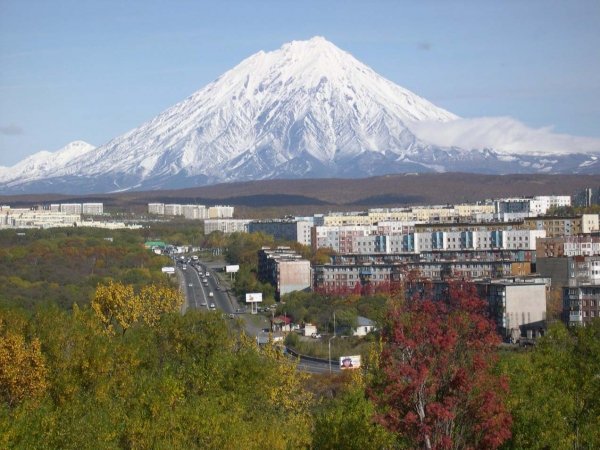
<point x="307" y="109"/>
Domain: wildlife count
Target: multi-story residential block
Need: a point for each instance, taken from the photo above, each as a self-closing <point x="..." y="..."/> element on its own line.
<point x="339" y="238"/>
<point x="358" y="275"/>
<point x="220" y="212"/>
<point x="226" y="226"/>
<point x="289" y="230"/>
<point x="578" y="277"/>
<point x="517" y="305"/>
<point x="28" y="218"/>
<point x="156" y="208"/>
<point x="529" y="207"/>
<point x="581" y="304"/>
<point x="563" y="226"/>
<point x="173" y="209"/>
<point x="367" y="239"/>
<point x="581" y="245"/>
<point x="194" y="212"/>
<point x="284" y="269"/>
<point x="70" y="208"/>
<point x="92" y="209"/>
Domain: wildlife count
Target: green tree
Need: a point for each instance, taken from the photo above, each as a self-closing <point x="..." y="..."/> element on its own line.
<point x="555" y="390"/>
<point x="348" y="422"/>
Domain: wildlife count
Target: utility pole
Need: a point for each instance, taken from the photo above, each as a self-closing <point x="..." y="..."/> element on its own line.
<point x="333" y="326"/>
<point x="329" y="345"/>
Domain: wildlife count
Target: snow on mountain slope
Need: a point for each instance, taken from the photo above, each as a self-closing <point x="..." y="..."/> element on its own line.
<point x="308" y="96"/>
<point x="307" y="109"/>
<point x="45" y="163"/>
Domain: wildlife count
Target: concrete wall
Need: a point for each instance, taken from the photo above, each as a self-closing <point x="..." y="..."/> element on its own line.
<point x="293" y="276"/>
<point x="525" y="304"/>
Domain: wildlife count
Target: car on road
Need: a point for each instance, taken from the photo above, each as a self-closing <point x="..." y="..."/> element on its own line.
<point x="190" y="285"/>
<point x="203" y="304"/>
<point x="207" y="274"/>
<point x="212" y="306"/>
<point x="210" y="294"/>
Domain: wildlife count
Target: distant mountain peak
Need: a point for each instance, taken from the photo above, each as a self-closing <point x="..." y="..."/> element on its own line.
<point x="307" y="109"/>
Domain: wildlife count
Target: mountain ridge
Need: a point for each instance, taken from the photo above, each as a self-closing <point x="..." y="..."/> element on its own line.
<point x="307" y="109"/>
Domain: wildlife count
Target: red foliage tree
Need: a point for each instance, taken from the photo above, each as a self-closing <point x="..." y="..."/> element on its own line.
<point x="436" y="385"/>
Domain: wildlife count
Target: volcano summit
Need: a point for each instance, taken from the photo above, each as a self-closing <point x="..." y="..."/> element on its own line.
<point x="306" y="110"/>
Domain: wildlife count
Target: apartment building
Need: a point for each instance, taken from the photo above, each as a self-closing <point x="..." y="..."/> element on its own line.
<point x="288" y="230"/>
<point x="28" y="218"/>
<point x="555" y="247"/>
<point x="194" y="212"/>
<point x="284" y="269"/>
<point x="220" y="212"/>
<point x="517" y="305"/>
<point x="92" y="209"/>
<point x="191" y="211"/>
<point x="563" y="226"/>
<point x="226" y="226"/>
<point x="367" y="239"/>
<point x="71" y="208"/>
<point x="350" y="277"/>
<point x="156" y="208"/>
<point x="581" y="304"/>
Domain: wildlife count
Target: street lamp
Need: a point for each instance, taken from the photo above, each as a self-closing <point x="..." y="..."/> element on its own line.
<point x="329" y="345"/>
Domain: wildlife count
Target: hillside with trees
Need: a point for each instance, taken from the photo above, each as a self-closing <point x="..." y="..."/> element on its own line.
<point x="100" y="358"/>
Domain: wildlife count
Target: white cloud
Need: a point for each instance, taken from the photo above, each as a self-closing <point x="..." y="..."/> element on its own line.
<point x="503" y="134"/>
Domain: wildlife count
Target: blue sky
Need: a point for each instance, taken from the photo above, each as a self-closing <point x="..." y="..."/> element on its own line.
<point x="92" y="70"/>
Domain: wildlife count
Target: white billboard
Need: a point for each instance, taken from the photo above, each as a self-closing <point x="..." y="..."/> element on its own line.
<point x="232" y="269"/>
<point x="349" y="362"/>
<point x="255" y="297"/>
<point x="168" y="269"/>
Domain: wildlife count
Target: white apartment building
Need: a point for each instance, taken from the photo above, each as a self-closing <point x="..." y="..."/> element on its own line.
<point x="194" y="212"/>
<point x="71" y="208"/>
<point x="26" y="218"/>
<point x="220" y="212"/>
<point x="365" y="240"/>
<point x="92" y="209"/>
<point x="156" y="208"/>
<point x="226" y="225"/>
<point x="514" y="208"/>
<point x="173" y="209"/>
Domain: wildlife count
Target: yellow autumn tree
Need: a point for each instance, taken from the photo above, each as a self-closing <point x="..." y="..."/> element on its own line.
<point x="158" y="300"/>
<point x="22" y="369"/>
<point x="116" y="303"/>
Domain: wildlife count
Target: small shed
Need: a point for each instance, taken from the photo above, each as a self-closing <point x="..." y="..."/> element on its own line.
<point x="364" y="327"/>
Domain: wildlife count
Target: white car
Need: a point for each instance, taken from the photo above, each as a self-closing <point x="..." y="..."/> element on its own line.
<point x="212" y="306"/>
<point x="207" y="274"/>
<point x="210" y="294"/>
<point x="190" y="285"/>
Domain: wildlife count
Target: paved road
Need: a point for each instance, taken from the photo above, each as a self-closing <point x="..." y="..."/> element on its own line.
<point x="198" y="297"/>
